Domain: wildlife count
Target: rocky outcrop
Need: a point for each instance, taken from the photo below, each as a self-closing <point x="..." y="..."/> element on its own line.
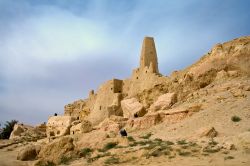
<point x="26" y="132"/>
<point x="17" y="131"/>
<point x="56" y="150"/>
<point x="79" y="109"/>
<point x="107" y="101"/>
<point x="209" y="132"/>
<point x="230" y="56"/>
<point x="164" y="102"/>
<point x="59" y="126"/>
<point x="114" y="123"/>
<point x="147" y="99"/>
<point x="83" y="127"/>
<point x="29" y="152"/>
<point x="143" y="122"/>
<point x="132" y="108"/>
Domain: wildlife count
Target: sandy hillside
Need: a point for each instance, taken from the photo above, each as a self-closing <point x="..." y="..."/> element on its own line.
<point x="195" y="117"/>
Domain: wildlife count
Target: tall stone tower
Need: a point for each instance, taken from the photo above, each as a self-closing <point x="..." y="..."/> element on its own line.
<point x="148" y="55"/>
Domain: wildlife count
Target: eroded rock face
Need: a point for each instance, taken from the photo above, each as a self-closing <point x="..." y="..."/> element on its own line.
<point x="227" y="56"/>
<point x="107" y="101"/>
<point x="164" y="102"/>
<point x="143" y="122"/>
<point x="209" y="132"/>
<point x="114" y="123"/>
<point x="59" y="126"/>
<point x="26" y="132"/>
<point x="132" y="108"/>
<point x="83" y="127"/>
<point x="29" y="152"/>
<point x="17" y="131"/>
<point x="56" y="150"/>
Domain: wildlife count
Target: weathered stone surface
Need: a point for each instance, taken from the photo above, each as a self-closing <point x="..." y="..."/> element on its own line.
<point x="26" y="132"/>
<point x="112" y="124"/>
<point x="29" y="152"/>
<point x="80" y="109"/>
<point x="209" y="132"/>
<point x="17" y="130"/>
<point x="54" y="151"/>
<point x="232" y="55"/>
<point x="148" y="55"/>
<point x="107" y="102"/>
<point x="228" y="145"/>
<point x="143" y="122"/>
<point x="132" y="108"/>
<point x="221" y="75"/>
<point x="164" y="102"/>
<point x="83" y="127"/>
<point x="59" y="125"/>
<point x="233" y="73"/>
<point x="244" y="139"/>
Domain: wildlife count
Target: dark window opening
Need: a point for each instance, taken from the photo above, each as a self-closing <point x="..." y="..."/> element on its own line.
<point x="137" y="78"/>
<point x="136" y="115"/>
<point x="52" y="133"/>
<point x="100" y="108"/>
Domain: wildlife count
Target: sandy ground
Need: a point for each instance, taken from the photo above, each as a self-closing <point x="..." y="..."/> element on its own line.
<point x="8" y="155"/>
<point x="219" y="104"/>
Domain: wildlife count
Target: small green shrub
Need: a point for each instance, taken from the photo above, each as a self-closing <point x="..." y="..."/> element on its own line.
<point x="119" y="146"/>
<point x="109" y="146"/>
<point x="151" y="146"/>
<point x="235" y="118"/>
<point x="158" y="139"/>
<point x="142" y="143"/>
<point x="212" y="143"/>
<point x="65" y="160"/>
<point x="193" y="144"/>
<point x="50" y="164"/>
<point x="130" y="138"/>
<point x="184" y="146"/>
<point x="133" y="158"/>
<point x="86" y="152"/>
<point x="184" y="153"/>
<point x="211" y="150"/>
<point x="228" y="157"/>
<point x="225" y="152"/>
<point x="166" y="153"/>
<point x="112" y="160"/>
<point x="172" y="156"/>
<point x="156" y="153"/>
<point x="147" y="136"/>
<point x="195" y="150"/>
<point x="169" y="142"/>
<point x="90" y="160"/>
<point x="181" y="142"/>
<point x="205" y="154"/>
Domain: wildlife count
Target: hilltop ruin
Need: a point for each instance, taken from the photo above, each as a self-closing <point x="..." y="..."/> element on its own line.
<point x="202" y="112"/>
<point x="107" y="100"/>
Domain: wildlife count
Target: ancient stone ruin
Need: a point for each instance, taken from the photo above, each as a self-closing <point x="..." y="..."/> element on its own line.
<point x="108" y="98"/>
<point x="201" y="112"/>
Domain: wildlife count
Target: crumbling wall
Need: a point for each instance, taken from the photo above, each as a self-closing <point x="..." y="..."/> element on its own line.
<point x="108" y="101"/>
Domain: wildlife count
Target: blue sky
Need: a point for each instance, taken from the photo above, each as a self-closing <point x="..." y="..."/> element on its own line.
<point x="55" y="52"/>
